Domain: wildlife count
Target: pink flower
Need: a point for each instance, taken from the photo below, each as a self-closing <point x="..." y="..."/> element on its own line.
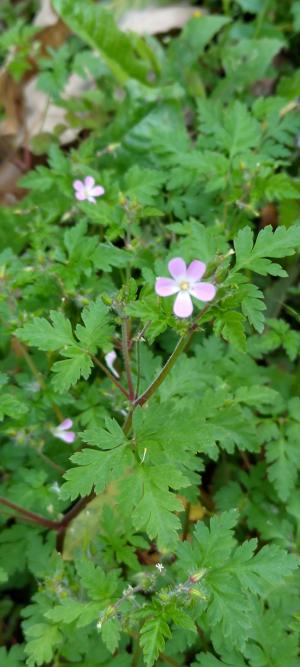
<point x="185" y="283"/>
<point x="62" y="431"/>
<point x="110" y="358"/>
<point x="88" y="190"/>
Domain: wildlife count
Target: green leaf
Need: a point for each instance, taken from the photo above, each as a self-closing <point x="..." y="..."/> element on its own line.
<point x="231" y="426"/>
<point x="74" y="610"/>
<point x="108" y="438"/>
<point x="96" y="26"/>
<point x="79" y="245"/>
<point x="283" y="459"/>
<point x="231" y="326"/>
<point x="68" y="371"/>
<point x="95" y="581"/>
<point x="11" y="406"/>
<point x="253" y="305"/>
<point x="58" y="336"/>
<point x="256" y="395"/>
<point x="95" y="469"/>
<point x="153" y="635"/>
<point x="280" y="187"/>
<point x="267" y="568"/>
<point x="12" y="658"/>
<point x="153" y="504"/>
<point x="240" y="131"/>
<point x="230" y="573"/>
<point x="247" y="60"/>
<point x="96" y="331"/>
<point x="45" y="336"/>
<point x="110" y="633"/>
<point x="197" y="33"/>
<point x="143" y="184"/>
<point x="39" y="179"/>
<point x="42" y="642"/>
<point x="147" y="309"/>
<point x="107" y="256"/>
<point x="279" y="243"/>
<point x="291" y="344"/>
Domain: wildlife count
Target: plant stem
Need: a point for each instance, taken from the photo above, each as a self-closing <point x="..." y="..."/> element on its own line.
<point x="110" y="376"/>
<point x="59" y="526"/>
<point x="51" y="463"/>
<point x="138" y="369"/>
<point x="186" y="523"/>
<point x="136" y="655"/>
<point x="31" y="516"/>
<point x="128" y="422"/>
<point x="126" y="357"/>
<point x="168" y="660"/>
<point x="75" y="510"/>
<point x="182" y="343"/>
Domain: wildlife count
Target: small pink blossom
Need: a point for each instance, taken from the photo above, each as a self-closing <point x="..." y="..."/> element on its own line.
<point x="185" y="283"/>
<point x="62" y="431"/>
<point x="110" y="358"/>
<point x="87" y="190"/>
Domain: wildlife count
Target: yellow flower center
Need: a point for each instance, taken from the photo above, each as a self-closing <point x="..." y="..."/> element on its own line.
<point x="184" y="285"/>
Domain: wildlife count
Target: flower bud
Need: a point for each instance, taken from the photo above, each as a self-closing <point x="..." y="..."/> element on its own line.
<point x="194" y="578"/>
<point x="196" y="593"/>
<point x="107" y="300"/>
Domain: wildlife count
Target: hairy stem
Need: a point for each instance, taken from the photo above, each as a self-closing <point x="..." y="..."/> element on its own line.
<point x="30" y="516"/>
<point x="75" y="510"/>
<point x="138" y="369"/>
<point x="110" y="376"/>
<point x="181" y="345"/>
<point x="59" y="526"/>
<point x="126" y="357"/>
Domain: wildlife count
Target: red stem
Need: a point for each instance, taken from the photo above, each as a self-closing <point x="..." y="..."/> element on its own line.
<point x="74" y="511"/>
<point x="110" y="376"/>
<point x="59" y="526"/>
<point x="31" y="516"/>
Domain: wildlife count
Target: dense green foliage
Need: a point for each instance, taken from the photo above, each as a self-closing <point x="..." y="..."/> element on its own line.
<point x="168" y="532"/>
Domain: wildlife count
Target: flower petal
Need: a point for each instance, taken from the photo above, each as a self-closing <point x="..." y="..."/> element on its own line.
<point x="67" y="423"/>
<point x="97" y="191"/>
<point x="203" y="291"/>
<point x="91" y="199"/>
<point x="195" y="270"/>
<point x="166" y="286"/>
<point x="183" y="306"/>
<point x="68" y="436"/>
<point x="78" y="185"/>
<point x="89" y="181"/>
<point x="177" y="268"/>
<point x="110" y="358"/>
<point x="80" y="194"/>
